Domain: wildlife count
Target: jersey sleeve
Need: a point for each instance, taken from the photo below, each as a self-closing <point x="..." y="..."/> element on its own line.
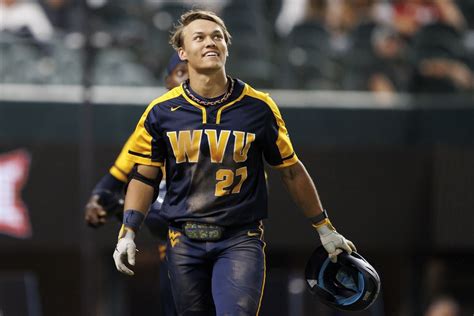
<point x="147" y="146"/>
<point x="278" y="150"/>
<point x="122" y="165"/>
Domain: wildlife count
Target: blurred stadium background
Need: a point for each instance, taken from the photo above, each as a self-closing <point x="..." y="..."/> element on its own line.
<point x="378" y="98"/>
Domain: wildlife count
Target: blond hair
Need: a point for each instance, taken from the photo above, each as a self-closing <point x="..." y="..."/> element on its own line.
<point x="176" y="39"/>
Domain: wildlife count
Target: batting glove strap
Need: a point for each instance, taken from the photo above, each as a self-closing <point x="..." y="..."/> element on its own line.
<point x="324" y="227"/>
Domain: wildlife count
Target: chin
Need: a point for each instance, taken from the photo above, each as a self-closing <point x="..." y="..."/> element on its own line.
<point x="211" y="67"/>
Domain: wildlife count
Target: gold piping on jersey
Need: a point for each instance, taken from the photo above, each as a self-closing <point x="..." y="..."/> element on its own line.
<point x="260" y="227"/>
<point x="140" y="142"/>
<point x="222" y="108"/>
<point x="283" y="140"/>
<point x="202" y="108"/>
<point x="122" y="165"/>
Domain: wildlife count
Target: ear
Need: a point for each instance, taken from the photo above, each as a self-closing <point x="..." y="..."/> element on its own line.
<point x="168" y="83"/>
<point x="182" y="54"/>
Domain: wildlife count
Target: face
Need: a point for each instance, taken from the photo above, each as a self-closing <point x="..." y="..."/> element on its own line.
<point x="204" y="46"/>
<point x="177" y="76"/>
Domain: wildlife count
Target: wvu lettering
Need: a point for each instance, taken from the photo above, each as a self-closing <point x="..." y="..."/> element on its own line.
<point x="186" y="144"/>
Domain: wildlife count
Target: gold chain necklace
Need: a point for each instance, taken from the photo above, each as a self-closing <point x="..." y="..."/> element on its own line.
<point x="209" y="103"/>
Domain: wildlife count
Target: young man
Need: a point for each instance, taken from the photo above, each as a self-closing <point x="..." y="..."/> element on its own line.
<point x="107" y="196"/>
<point x="211" y="134"/>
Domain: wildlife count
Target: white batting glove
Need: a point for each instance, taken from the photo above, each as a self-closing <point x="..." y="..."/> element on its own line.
<point x="333" y="242"/>
<point x="125" y="252"/>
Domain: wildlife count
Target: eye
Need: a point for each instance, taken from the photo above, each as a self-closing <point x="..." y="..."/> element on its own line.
<point x="198" y="38"/>
<point x="218" y="37"/>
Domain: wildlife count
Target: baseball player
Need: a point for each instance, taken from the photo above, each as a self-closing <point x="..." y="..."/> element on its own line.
<point x="107" y="196"/>
<point x="212" y="135"/>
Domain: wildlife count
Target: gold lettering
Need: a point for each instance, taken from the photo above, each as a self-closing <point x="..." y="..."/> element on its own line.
<point x="184" y="145"/>
<point x="225" y="178"/>
<point x="242" y="173"/>
<point x="241" y="151"/>
<point x="217" y="146"/>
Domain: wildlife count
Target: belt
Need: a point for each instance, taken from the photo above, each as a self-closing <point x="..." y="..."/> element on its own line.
<point x="225" y="231"/>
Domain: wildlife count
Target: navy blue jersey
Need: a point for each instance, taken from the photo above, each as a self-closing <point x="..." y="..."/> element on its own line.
<point x="213" y="154"/>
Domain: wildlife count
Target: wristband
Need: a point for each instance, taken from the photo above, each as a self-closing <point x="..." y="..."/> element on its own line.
<point x="133" y="219"/>
<point x="318" y="218"/>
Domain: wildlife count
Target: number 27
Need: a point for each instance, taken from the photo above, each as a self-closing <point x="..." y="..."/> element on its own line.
<point x="225" y="179"/>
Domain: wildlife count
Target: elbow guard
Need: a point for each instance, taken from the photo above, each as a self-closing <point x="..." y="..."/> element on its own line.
<point x="154" y="183"/>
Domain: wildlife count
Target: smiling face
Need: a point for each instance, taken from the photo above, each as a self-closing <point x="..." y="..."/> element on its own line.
<point x="204" y="46"/>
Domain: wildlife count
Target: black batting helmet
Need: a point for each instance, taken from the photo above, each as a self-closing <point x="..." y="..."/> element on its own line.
<point x="350" y="284"/>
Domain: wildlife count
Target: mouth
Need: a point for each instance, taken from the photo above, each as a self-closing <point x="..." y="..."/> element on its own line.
<point x="211" y="54"/>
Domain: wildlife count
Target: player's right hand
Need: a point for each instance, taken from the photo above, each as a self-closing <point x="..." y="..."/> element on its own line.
<point x="95" y="215"/>
<point x="125" y="253"/>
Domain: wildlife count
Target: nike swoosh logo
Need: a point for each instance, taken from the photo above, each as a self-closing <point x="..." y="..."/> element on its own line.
<point x="250" y="234"/>
<point x="174" y="108"/>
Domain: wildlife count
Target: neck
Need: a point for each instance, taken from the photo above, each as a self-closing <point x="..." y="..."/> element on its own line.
<point x="208" y="85"/>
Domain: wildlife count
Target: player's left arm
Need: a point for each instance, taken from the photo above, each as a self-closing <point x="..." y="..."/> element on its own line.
<point x="303" y="191"/>
<point x="279" y="153"/>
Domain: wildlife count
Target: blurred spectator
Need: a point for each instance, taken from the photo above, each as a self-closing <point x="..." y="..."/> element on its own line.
<point x="377" y="59"/>
<point x="448" y="74"/>
<point x="410" y="15"/>
<point x="443" y="306"/>
<point x="339" y="19"/>
<point x="306" y="57"/>
<point x="380" y="67"/>
<point x="440" y="61"/>
<point x="450" y="14"/>
<point x="389" y="71"/>
<point x="25" y="19"/>
<point x="292" y="12"/>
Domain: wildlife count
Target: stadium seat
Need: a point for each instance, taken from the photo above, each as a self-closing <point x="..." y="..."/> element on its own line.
<point x="160" y="21"/>
<point x="361" y="36"/>
<point x="310" y="35"/>
<point x="257" y="72"/>
<point x="306" y="58"/>
<point x="246" y="22"/>
<point x="439" y="40"/>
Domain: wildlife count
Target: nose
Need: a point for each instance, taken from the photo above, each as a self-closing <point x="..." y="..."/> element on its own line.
<point x="210" y="42"/>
